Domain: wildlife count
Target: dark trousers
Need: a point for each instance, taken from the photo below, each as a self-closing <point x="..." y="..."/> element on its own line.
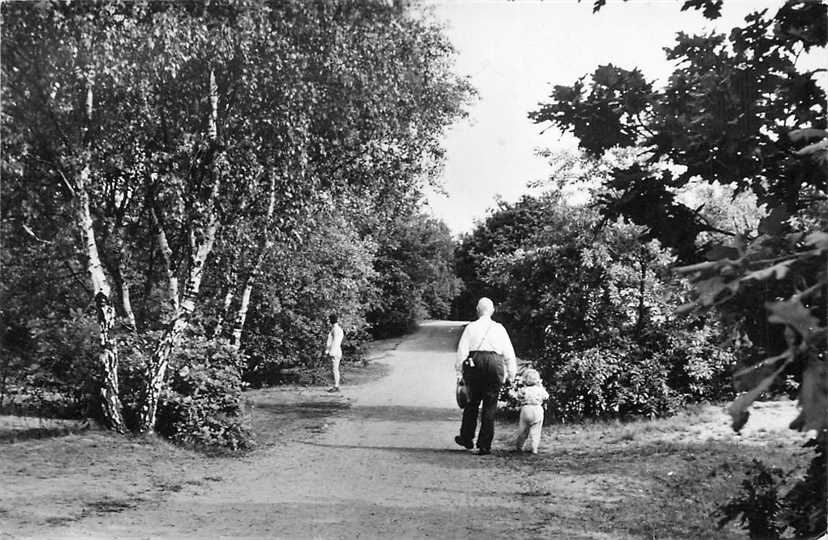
<point x="483" y="381"/>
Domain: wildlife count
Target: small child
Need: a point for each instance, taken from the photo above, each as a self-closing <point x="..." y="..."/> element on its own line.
<point x="531" y="398"/>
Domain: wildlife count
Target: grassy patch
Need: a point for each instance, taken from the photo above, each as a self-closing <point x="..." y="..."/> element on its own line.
<point x="650" y="479"/>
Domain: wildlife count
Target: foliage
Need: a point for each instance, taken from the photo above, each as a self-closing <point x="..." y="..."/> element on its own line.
<point x="724" y="116"/>
<point x="330" y="272"/>
<point x="592" y="308"/>
<point x="50" y="367"/>
<point x="608" y="381"/>
<point x="202" y="404"/>
<point x="737" y="109"/>
<point x="802" y="510"/>
<point x="174" y="124"/>
<point x="758" y="504"/>
<point x="711" y="9"/>
<point x="414" y="276"/>
<point x="771" y="505"/>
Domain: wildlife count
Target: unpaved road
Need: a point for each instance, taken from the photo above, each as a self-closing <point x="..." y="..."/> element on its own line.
<point x="379" y="461"/>
<point x="387" y="467"/>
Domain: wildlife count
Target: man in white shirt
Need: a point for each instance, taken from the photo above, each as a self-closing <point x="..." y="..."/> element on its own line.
<point x="333" y="349"/>
<point x="485" y="360"/>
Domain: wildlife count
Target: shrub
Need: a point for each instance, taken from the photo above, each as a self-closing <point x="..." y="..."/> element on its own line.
<point x="758" y="502"/>
<point x="608" y="381"/>
<point x="767" y="513"/>
<point x="595" y="312"/>
<point x="202" y="404"/>
<point x="53" y="369"/>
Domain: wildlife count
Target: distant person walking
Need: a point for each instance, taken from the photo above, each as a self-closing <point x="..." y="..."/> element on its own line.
<point x="333" y="350"/>
<point x="485" y="360"/>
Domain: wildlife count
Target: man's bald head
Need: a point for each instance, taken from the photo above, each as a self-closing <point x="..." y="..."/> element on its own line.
<point x="485" y="307"/>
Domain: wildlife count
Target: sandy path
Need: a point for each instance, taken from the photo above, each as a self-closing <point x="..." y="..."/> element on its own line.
<point x="386" y="467"/>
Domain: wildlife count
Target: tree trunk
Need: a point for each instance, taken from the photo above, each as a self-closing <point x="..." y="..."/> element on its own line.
<point x="265" y="243"/>
<point x="166" y="258"/>
<point x="108" y="356"/>
<point x="639" y="325"/>
<point x="116" y="270"/>
<point x="157" y="365"/>
<point x="241" y="314"/>
<point x="225" y="309"/>
<point x="201" y="244"/>
<point x="126" y="303"/>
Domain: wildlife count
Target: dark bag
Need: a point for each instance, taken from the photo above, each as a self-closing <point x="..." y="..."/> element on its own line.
<point x="462" y="394"/>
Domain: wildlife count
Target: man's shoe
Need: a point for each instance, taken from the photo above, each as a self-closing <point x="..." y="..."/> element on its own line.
<point x="468" y="445"/>
<point x="333" y="389"/>
<point x="483" y="451"/>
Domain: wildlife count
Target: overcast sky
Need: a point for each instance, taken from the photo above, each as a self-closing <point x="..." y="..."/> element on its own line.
<point x="515" y="52"/>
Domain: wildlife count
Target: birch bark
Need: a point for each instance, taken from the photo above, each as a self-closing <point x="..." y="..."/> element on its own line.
<point x="201" y="244"/>
<point x="105" y="311"/>
<point x="265" y="243"/>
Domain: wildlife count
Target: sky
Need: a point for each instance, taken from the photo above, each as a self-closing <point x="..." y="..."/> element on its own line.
<point x="514" y="53"/>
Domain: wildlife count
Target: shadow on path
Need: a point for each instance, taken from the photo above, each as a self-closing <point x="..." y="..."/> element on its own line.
<point x="402" y="413"/>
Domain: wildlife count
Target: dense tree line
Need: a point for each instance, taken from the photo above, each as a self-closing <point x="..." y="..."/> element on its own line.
<point x="194" y="180"/>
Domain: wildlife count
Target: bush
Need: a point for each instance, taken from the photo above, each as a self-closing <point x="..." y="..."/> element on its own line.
<point x="758" y="502"/>
<point x="767" y="514"/>
<point x="595" y="312"/>
<point x="608" y="381"/>
<point x="202" y="404"/>
<point x="57" y="374"/>
<point x="51" y="367"/>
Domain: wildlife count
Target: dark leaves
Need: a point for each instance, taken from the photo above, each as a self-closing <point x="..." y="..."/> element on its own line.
<point x="611" y="114"/>
<point x="803" y="21"/>
<point x="711" y="9"/>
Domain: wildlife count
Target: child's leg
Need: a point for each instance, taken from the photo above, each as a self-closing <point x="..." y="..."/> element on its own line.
<point x="535" y="432"/>
<point x="523" y="430"/>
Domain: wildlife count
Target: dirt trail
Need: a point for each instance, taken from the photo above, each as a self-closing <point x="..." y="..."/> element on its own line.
<point x="384" y="467"/>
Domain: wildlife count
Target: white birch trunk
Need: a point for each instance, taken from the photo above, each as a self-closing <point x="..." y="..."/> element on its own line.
<point x="166" y="257"/>
<point x="225" y="309"/>
<point x="108" y="356"/>
<point x="264" y="246"/>
<point x="126" y="302"/>
<point x="159" y="361"/>
<point x="201" y="246"/>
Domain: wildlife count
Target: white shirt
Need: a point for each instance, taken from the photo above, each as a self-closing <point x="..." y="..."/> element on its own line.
<point x="484" y="334"/>
<point x="532" y="395"/>
<point x="334" y="346"/>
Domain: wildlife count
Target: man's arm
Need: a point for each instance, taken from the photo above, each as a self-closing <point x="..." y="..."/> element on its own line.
<point x="509" y="355"/>
<point x="462" y="351"/>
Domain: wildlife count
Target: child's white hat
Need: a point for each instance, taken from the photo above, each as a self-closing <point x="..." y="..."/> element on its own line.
<point x="531" y="377"/>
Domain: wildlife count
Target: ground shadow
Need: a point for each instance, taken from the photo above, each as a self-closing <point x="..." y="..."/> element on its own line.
<point x="449" y="457"/>
<point x="400" y="413"/>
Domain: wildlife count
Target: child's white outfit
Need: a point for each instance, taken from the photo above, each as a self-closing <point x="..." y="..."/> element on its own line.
<point x="531" y="399"/>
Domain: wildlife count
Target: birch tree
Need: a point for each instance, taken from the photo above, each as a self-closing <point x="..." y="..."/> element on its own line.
<point x="165" y="130"/>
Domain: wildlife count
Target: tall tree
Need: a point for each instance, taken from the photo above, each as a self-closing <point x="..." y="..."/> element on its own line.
<point x="166" y="129"/>
<point x="737" y="109"/>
